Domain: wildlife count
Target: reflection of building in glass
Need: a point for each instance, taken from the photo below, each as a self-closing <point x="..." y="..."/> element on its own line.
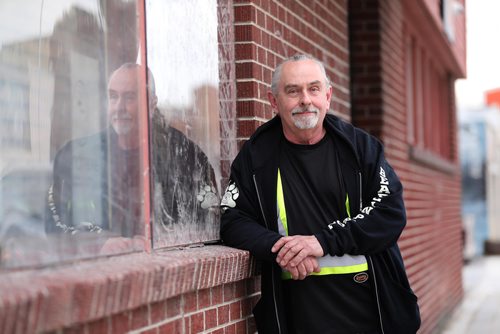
<point x="77" y="60"/>
<point x="473" y="159"/>
<point x="493" y="171"/>
<point x="25" y="82"/>
<point x="480" y="161"/>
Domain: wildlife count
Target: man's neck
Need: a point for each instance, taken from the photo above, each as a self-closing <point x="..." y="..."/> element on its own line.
<point x="127" y="142"/>
<point x="305" y="137"/>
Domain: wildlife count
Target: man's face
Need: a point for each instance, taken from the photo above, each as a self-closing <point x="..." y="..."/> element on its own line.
<point x="303" y="97"/>
<point x="123" y="101"/>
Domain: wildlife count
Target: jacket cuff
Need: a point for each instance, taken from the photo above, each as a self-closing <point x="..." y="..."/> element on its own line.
<point x="322" y="241"/>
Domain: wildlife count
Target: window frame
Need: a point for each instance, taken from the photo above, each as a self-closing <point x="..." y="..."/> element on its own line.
<point x="428" y="105"/>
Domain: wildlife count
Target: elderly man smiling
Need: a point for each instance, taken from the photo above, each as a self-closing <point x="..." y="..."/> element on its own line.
<point x="315" y="200"/>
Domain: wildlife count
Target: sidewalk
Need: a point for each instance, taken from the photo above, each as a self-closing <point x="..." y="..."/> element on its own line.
<point x="479" y="311"/>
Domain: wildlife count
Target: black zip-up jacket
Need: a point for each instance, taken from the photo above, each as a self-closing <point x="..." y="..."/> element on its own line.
<point x="249" y="221"/>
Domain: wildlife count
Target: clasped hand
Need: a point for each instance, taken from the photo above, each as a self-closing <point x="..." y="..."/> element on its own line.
<point x="298" y="254"/>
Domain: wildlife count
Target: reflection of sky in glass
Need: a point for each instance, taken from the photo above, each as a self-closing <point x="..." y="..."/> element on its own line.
<point x="182" y="47"/>
<point x="36" y="19"/>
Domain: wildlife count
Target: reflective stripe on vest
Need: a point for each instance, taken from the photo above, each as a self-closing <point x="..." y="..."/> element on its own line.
<point x="329" y="265"/>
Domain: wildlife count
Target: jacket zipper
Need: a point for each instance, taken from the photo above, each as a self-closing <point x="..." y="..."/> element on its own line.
<point x="272" y="270"/>
<point x="360" y="191"/>
<point x="370" y="259"/>
<point x="376" y="295"/>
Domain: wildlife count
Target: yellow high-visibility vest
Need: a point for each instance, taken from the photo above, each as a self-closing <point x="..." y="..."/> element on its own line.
<point x="329" y="264"/>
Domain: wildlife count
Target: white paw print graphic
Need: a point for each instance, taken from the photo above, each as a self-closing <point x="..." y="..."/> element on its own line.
<point x="230" y="196"/>
<point x="207" y="197"/>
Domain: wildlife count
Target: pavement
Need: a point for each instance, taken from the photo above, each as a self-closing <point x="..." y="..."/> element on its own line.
<point x="479" y="311"/>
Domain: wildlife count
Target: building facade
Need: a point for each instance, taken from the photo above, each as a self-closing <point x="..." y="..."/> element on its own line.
<point x="392" y="65"/>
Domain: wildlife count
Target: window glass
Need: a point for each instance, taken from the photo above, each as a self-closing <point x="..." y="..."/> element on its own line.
<point x="183" y="55"/>
<point x="70" y="159"/>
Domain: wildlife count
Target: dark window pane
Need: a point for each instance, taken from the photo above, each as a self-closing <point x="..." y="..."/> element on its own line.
<point x="183" y="54"/>
<point x="70" y="166"/>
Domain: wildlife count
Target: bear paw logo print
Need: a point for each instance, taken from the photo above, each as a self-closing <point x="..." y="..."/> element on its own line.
<point x="207" y="197"/>
<point x="230" y="196"/>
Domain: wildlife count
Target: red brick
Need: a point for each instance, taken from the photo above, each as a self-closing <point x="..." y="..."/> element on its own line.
<point x="204" y="298"/>
<point x="187" y="325"/>
<point x="197" y="322"/>
<point x="158" y="311"/>
<point x="244" y="13"/>
<point x="231" y="329"/>
<point x="240" y="289"/>
<point x="245" y="129"/>
<point x="229" y="292"/>
<point x="245" y="51"/>
<point x="211" y="318"/>
<point x="120" y="323"/>
<point x="222" y="315"/>
<point x="235" y="311"/>
<point x="247" y="89"/>
<point x="139" y="317"/>
<point x="190" y="302"/>
<point x="218" y="331"/>
<point x="99" y="327"/>
<point x="173" y="306"/>
<point x="241" y="327"/>
<point x="77" y="329"/>
<point x="173" y="327"/>
<point x="82" y="297"/>
<point x="246" y="307"/>
<point x="245" y="70"/>
<point x="216" y="294"/>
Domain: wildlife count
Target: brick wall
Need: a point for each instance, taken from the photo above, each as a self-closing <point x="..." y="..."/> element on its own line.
<point x="431" y="243"/>
<point x="210" y="289"/>
<point x="213" y="288"/>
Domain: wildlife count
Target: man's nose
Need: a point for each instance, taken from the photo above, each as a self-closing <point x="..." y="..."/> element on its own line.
<point x="119" y="103"/>
<point x="305" y="99"/>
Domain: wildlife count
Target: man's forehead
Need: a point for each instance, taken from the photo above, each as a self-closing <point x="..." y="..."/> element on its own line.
<point x="301" y="72"/>
<point x="124" y="78"/>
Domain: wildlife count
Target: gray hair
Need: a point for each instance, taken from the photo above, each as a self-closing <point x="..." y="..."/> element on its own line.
<point x="150" y="79"/>
<point x="298" y="57"/>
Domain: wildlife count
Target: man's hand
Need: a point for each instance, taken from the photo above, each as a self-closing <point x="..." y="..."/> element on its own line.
<point x="292" y="250"/>
<point x="304" y="268"/>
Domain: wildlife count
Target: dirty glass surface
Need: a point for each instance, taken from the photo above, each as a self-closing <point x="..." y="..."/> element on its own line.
<point x="185" y="50"/>
<point x="70" y="163"/>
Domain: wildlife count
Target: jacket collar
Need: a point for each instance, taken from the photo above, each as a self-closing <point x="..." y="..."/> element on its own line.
<point x="272" y="131"/>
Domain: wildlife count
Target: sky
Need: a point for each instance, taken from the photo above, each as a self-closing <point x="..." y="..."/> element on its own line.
<point x="483" y="53"/>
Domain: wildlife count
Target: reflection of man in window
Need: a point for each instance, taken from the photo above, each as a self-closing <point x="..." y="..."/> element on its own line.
<point x="97" y="179"/>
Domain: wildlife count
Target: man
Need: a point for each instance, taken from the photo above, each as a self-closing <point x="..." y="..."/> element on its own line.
<point x="314" y="198"/>
<point x="97" y="179"/>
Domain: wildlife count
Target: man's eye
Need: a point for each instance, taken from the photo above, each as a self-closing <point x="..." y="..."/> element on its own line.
<point x="130" y="97"/>
<point x="292" y="91"/>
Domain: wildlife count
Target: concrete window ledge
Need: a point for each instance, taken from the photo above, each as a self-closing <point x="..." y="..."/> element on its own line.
<point x="160" y="286"/>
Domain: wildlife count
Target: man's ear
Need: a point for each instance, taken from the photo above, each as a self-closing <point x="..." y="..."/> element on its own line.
<point x="273" y="101"/>
<point x="329" y="94"/>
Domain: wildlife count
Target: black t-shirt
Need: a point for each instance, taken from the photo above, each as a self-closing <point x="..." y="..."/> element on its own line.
<point x="315" y="196"/>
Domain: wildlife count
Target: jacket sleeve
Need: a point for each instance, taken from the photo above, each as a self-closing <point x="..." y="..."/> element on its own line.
<point x="382" y="217"/>
<point x="58" y="193"/>
<point x="243" y="225"/>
